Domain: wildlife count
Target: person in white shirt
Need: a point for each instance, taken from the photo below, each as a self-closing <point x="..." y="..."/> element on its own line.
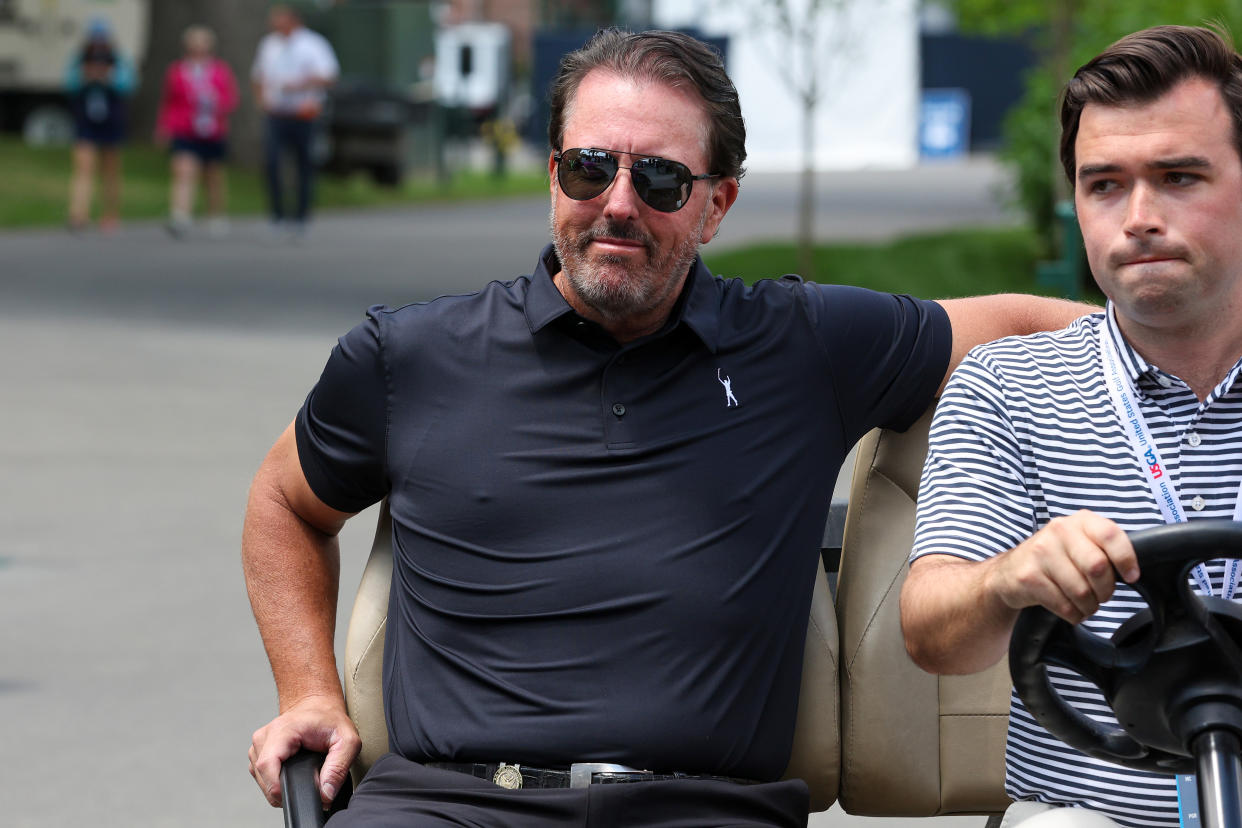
<point x="292" y="71"/>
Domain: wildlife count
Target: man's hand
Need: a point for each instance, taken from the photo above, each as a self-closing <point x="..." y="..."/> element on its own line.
<point x="316" y="723"/>
<point x="1069" y="566"/>
<point x="957" y="615"/>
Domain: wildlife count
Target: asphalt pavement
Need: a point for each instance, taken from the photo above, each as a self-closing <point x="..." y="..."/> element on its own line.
<point x="143" y="379"/>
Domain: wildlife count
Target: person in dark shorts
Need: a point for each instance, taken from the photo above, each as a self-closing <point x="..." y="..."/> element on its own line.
<point x="608" y="484"/>
<point x="200" y="92"/>
<point x="99" y="80"/>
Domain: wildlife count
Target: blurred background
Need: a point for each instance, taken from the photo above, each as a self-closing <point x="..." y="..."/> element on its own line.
<point x="901" y="145"/>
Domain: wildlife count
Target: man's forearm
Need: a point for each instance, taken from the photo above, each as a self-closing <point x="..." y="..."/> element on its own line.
<point x="292" y="572"/>
<point x="951" y="621"/>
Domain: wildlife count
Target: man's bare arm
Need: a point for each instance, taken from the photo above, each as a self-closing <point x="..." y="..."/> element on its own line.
<point x="292" y="566"/>
<point x="957" y="615"/>
<point x="980" y="319"/>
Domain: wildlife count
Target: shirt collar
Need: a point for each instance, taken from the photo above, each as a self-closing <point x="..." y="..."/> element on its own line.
<point x="1131" y="361"/>
<point x="699" y="307"/>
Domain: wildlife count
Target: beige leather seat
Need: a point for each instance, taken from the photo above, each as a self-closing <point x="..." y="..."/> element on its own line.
<point x="816" y="751"/>
<point x="912" y="744"/>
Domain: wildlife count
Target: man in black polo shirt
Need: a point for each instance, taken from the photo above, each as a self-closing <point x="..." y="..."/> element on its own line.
<point x="608" y="481"/>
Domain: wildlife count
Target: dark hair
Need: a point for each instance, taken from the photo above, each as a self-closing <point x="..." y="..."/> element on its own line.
<point x="666" y="57"/>
<point x="1145" y="65"/>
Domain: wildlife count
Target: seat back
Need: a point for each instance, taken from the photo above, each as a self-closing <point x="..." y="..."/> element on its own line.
<point x="364" y="649"/>
<point x="816" y="755"/>
<point x="912" y="744"/>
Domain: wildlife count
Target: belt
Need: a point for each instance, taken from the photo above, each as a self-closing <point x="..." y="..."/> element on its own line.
<point x="577" y="775"/>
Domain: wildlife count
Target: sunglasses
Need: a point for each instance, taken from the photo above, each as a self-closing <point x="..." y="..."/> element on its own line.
<point x="662" y="184"/>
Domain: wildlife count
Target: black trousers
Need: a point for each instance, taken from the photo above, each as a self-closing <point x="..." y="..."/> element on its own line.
<point x="398" y="792"/>
<point x="285" y="132"/>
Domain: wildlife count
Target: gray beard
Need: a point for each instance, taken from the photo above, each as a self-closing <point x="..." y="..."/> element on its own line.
<point x="638" y="292"/>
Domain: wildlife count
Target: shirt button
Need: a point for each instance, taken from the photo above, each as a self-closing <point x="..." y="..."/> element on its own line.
<point x="1194" y="439"/>
<point x="618" y="409"/>
<point x="1197" y="504"/>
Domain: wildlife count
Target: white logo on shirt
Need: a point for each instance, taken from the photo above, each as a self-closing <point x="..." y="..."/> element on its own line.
<point x="730" y="400"/>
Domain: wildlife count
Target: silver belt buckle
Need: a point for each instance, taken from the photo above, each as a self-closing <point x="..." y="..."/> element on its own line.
<point x="581" y="773"/>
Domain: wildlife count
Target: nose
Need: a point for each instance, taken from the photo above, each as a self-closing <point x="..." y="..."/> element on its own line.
<point x="1143" y="213"/>
<point x="621" y="201"/>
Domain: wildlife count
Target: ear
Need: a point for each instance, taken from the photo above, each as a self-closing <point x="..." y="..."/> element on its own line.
<point x="552" y="172"/>
<point x="723" y="194"/>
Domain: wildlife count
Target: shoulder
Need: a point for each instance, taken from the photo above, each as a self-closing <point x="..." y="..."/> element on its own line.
<point x="736" y="293"/>
<point x="819" y="299"/>
<point x="1015" y="371"/>
<point x="266" y="44"/>
<point x="452" y="316"/>
<point x="310" y="39"/>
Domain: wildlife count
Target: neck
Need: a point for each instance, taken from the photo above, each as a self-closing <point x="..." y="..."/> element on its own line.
<point x="1201" y="358"/>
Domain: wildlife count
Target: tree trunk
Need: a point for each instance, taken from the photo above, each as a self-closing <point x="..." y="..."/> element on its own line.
<point x="806" y="194"/>
<point x="238" y="24"/>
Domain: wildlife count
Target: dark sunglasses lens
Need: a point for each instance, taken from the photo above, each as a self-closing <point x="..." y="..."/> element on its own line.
<point x="662" y="184"/>
<point x="584" y="174"/>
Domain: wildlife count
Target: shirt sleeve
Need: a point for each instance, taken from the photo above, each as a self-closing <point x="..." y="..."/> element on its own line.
<point x="326" y="65"/>
<point x="888" y="353"/>
<point x="124" y="78"/>
<point x="342" y="427"/>
<point x="974" y="500"/>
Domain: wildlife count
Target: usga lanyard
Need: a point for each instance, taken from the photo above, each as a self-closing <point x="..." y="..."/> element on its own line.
<point x="1125" y="402"/>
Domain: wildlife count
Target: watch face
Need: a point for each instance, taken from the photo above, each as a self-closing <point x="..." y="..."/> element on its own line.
<point x="508" y="776"/>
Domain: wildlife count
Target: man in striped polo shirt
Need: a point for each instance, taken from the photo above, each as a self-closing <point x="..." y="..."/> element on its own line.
<point x="1037" y="465"/>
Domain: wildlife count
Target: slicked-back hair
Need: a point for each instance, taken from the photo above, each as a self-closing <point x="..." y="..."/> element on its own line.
<point x="1142" y="66"/>
<point x="671" y="58"/>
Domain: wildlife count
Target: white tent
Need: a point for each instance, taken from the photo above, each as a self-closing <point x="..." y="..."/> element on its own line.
<point x="868" y="110"/>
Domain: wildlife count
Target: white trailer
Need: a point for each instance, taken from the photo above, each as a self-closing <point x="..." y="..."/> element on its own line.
<point x="38" y="38"/>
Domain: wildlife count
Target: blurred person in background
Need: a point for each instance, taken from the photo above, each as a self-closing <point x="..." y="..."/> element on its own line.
<point x="200" y="92"/>
<point x="98" y="80"/>
<point x="292" y="69"/>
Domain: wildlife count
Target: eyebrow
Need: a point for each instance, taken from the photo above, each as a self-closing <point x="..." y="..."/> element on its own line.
<point x="1182" y="163"/>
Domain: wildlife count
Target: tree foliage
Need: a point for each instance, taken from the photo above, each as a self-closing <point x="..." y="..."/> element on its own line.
<point x="1068" y="33"/>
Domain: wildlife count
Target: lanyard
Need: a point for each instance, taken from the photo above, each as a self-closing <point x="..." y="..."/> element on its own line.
<point x="1125" y="403"/>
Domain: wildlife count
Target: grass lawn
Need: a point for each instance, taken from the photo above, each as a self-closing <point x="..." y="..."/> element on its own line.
<point x="36" y="186"/>
<point x="934" y="266"/>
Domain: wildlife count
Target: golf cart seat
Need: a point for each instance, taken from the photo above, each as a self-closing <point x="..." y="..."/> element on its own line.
<point x="912" y="744"/>
<point x="816" y="751"/>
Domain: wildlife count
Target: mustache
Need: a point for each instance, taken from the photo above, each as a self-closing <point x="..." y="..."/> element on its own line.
<point x="607" y="228"/>
<point x="1146" y="250"/>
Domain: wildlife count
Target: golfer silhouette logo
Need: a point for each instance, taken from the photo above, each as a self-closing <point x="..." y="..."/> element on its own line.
<point x="730" y="400"/>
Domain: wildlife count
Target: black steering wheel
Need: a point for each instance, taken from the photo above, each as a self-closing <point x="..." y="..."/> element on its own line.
<point x="1171" y="672"/>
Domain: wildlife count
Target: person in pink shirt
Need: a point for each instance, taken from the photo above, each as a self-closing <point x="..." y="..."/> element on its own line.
<point x="199" y="93"/>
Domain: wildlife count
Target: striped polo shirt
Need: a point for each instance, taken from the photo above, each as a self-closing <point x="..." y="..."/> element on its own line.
<point x="1026" y="431"/>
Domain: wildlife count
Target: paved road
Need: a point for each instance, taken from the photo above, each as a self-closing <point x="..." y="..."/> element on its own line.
<point x="142" y="381"/>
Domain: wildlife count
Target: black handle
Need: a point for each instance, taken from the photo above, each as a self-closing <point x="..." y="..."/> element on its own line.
<point x="303" y="807"/>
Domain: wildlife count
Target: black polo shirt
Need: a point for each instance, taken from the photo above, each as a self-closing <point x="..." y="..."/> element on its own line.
<point x="605" y="552"/>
